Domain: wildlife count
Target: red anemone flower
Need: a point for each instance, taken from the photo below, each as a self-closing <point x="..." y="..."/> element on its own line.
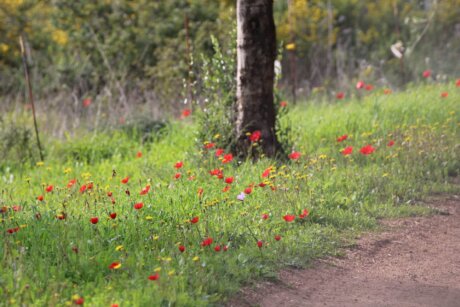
<point x="255" y="136"/>
<point x="444" y="94"/>
<point x="265" y="216"/>
<point x="186" y="113"/>
<point x="294" y="155"/>
<point x="266" y="172"/>
<point x="71" y="183"/>
<point x="226" y="188"/>
<point x="347" y="151"/>
<point x="391" y="143"/>
<point x="125" y="180"/>
<point x="229" y="180"/>
<point x="155" y="276"/>
<point x="289" y="217"/>
<point x="283" y="104"/>
<point x="139" y="154"/>
<point x="260" y="244"/>
<point x="181" y="248"/>
<point x="83" y="188"/>
<point x="178" y="164"/>
<point x="49" y="188"/>
<point x="277" y="237"/>
<point x="145" y="190"/>
<point x="86" y="102"/>
<point x="262" y="184"/>
<point x="138" y="206"/>
<point x="227" y="158"/>
<point x="12" y="230"/>
<point x="79" y="301"/>
<point x="387" y="91"/>
<point x="342" y="138"/>
<point x="426" y="73"/>
<point x="217" y="248"/>
<point x="40" y="198"/>
<point x="304" y="214"/>
<point x="177" y="175"/>
<point x="360" y="85"/>
<point x="113" y="215"/>
<point x="367" y="150"/>
<point x="457" y="83"/>
<point x="94" y="220"/>
<point x="219" y="152"/>
<point x="194" y="220"/>
<point x="340" y="95"/>
<point x="209" y="145"/>
<point x="369" y="87"/>
<point x="206" y="242"/>
<point x="248" y="191"/>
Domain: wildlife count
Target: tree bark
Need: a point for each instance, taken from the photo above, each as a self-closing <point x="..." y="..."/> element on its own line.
<point x="256" y="54"/>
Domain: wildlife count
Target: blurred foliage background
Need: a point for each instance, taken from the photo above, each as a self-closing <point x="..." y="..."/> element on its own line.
<point x="145" y="57"/>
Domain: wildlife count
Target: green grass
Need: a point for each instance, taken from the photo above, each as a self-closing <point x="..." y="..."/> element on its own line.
<point x="345" y="195"/>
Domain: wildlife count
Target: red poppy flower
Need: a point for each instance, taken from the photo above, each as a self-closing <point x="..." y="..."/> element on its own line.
<point x="248" y="191"/>
<point x="16" y="208"/>
<point x="86" y="102"/>
<point x="209" y="145"/>
<point x="225" y="248"/>
<point x="457" y="83"/>
<point x="138" y="206"/>
<point x="83" y="188"/>
<point x="61" y="216"/>
<point x="340" y="95"/>
<point x="217" y="248"/>
<point x="94" y="220"/>
<point x="194" y="220"/>
<point x="181" y="248"/>
<point x="125" y="180"/>
<point x="367" y="150"/>
<point x="155" y="276"/>
<point x="114" y="305"/>
<point x="347" y="151"/>
<point x="177" y="175"/>
<point x="40" y="198"/>
<point x="444" y="94"/>
<point x="227" y="158"/>
<point x="226" y="188"/>
<point x="369" y="87"/>
<point x="79" y="301"/>
<point x="145" y="190"/>
<point x="206" y="242"/>
<point x="426" y="74"/>
<point x="186" y="113"/>
<point x="266" y="172"/>
<point x="255" y="136"/>
<point x="115" y="265"/>
<point x="387" y="91"/>
<point x="71" y="183"/>
<point x="49" y="188"/>
<point x="277" y="237"/>
<point x="289" y="217"/>
<point x="342" y="138"/>
<point x="262" y="184"/>
<point x="178" y="164"/>
<point x="304" y="214"/>
<point x="260" y="244"/>
<point x="360" y="85"/>
<point x="391" y="143"/>
<point x="219" y="152"/>
<point x="12" y="230"/>
<point x="200" y="192"/>
<point x="265" y="216"/>
<point x="139" y="154"/>
<point x="283" y="104"/>
<point x="113" y="215"/>
<point x="294" y="155"/>
<point x="229" y="180"/>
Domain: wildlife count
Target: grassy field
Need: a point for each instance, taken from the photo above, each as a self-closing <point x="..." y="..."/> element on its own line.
<point x="106" y="220"/>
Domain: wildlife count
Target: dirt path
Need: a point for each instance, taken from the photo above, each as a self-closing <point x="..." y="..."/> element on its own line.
<point x="414" y="262"/>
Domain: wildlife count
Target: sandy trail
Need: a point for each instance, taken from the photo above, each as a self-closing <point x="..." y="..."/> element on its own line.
<point x="414" y="262"/>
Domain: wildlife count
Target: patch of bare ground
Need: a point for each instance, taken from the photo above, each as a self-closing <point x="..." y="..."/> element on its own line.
<point x="413" y="262"/>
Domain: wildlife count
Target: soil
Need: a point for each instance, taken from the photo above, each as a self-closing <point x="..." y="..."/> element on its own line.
<point x="413" y="262"/>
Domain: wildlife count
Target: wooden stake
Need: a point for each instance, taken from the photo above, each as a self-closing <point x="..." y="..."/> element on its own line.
<point x="31" y="97"/>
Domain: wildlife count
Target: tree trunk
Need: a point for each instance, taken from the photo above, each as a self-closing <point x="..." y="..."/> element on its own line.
<point x="256" y="43"/>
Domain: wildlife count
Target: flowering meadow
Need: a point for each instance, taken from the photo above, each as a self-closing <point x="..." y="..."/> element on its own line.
<point x="176" y="223"/>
